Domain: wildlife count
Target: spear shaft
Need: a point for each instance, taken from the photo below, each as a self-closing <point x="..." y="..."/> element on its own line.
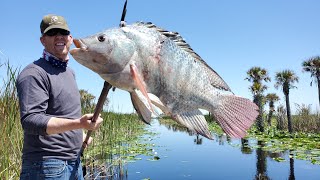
<point x="98" y="109"/>
<point x="104" y="93"/>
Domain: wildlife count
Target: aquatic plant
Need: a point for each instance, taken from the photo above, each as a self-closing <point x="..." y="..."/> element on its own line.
<point x="10" y="128"/>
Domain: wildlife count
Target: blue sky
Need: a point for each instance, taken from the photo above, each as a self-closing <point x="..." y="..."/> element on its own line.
<point x="231" y="36"/>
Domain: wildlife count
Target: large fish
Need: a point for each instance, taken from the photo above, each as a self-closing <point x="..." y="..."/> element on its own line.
<point x="159" y="69"/>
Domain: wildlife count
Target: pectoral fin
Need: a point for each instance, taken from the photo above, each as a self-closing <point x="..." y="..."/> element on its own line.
<point x="143" y="108"/>
<point x="139" y="83"/>
<point x="141" y="105"/>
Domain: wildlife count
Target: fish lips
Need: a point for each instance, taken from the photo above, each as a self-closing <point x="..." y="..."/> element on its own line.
<point x="79" y="44"/>
<point x="80" y="47"/>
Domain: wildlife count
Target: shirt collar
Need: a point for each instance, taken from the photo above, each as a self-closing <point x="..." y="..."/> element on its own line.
<point x="53" y="60"/>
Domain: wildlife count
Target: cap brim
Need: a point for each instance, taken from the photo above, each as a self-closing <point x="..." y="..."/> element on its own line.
<point x="56" y="27"/>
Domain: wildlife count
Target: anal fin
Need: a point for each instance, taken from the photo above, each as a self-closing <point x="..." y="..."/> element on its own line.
<point x="194" y="121"/>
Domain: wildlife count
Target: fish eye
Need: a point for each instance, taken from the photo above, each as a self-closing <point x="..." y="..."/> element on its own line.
<point x="101" y="38"/>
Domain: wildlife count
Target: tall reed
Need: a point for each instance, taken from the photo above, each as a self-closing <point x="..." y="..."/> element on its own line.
<point x="303" y="120"/>
<point x="11" y="134"/>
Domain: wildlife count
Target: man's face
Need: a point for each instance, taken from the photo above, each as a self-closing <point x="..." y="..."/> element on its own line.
<point x="57" y="42"/>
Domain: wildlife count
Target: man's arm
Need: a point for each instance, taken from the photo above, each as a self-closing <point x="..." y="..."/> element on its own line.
<point x="33" y="92"/>
<point x="59" y="125"/>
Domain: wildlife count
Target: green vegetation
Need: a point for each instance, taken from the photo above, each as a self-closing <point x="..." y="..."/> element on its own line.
<point x="11" y="133"/>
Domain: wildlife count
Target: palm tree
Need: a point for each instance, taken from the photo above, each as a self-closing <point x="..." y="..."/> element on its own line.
<point x="258" y="89"/>
<point x="312" y="65"/>
<point x="271" y="98"/>
<point x="256" y="75"/>
<point x="286" y="79"/>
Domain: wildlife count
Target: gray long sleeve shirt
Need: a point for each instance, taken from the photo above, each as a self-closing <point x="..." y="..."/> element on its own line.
<point x="46" y="91"/>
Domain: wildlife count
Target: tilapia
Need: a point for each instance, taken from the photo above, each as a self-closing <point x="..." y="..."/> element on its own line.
<point x="161" y="71"/>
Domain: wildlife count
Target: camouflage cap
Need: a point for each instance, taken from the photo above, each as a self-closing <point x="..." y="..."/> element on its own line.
<point x="52" y="21"/>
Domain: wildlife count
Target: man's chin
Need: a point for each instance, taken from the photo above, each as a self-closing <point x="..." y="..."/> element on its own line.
<point x="62" y="50"/>
<point x="62" y="54"/>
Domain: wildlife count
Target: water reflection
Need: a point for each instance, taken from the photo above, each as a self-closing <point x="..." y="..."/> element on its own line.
<point x="246" y="147"/>
<point x="107" y="173"/>
<point x="198" y="140"/>
<point x="291" y="175"/>
<point x="172" y="126"/>
<point x="111" y="169"/>
<point x="261" y="173"/>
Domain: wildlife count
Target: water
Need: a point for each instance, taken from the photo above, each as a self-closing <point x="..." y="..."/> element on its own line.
<point x="185" y="156"/>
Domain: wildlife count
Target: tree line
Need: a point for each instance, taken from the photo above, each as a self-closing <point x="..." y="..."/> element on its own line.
<point x="285" y="81"/>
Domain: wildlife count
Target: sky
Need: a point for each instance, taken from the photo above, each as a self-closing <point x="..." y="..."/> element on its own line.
<point x="232" y="36"/>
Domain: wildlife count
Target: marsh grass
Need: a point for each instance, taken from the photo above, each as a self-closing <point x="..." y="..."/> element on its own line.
<point x="117" y="142"/>
<point x="304" y="121"/>
<point x="11" y="133"/>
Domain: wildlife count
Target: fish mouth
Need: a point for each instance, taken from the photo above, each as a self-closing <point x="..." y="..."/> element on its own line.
<point x="79" y="44"/>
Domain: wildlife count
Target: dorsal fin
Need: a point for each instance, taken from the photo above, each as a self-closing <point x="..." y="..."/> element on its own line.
<point x="215" y="79"/>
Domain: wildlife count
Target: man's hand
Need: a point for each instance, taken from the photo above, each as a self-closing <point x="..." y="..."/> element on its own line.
<point x="59" y="125"/>
<point x="87" y="124"/>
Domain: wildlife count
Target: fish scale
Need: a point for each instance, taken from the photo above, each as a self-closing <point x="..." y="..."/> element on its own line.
<point x="159" y="69"/>
<point x="186" y="79"/>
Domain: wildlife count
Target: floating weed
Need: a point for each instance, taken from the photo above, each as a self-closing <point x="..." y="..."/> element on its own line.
<point x="315" y="160"/>
<point x="279" y="159"/>
<point x="304" y="146"/>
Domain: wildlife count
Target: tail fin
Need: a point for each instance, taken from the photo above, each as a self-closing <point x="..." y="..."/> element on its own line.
<point x="235" y="115"/>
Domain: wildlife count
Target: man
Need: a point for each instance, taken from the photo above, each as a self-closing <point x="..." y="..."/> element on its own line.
<point x="50" y="108"/>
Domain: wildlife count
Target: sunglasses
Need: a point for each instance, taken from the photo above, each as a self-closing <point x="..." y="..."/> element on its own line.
<point x="54" y="32"/>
